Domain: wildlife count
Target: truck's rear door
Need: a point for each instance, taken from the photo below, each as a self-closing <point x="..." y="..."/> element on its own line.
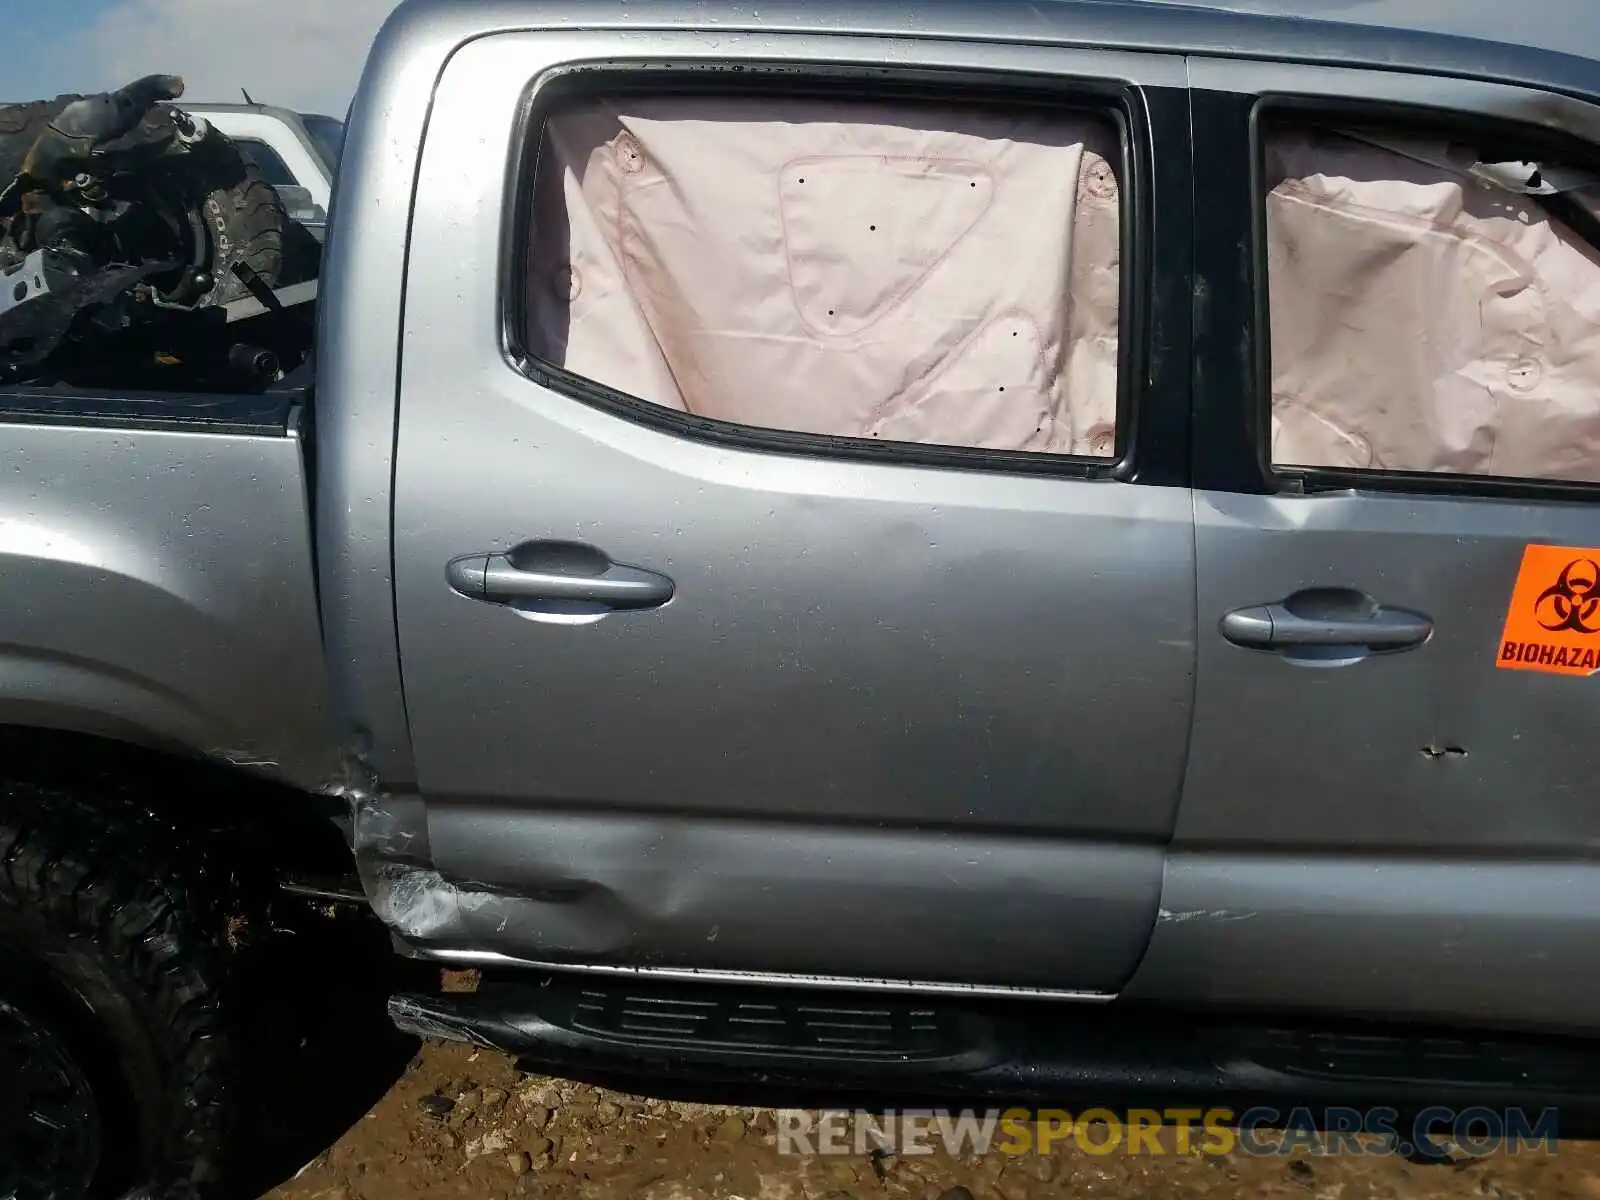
<point x="793" y="544"/>
<point x="1390" y="802"/>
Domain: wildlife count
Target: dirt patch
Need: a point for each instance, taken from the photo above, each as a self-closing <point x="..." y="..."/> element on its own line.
<point x="466" y="1123"/>
<point x="356" y="1111"/>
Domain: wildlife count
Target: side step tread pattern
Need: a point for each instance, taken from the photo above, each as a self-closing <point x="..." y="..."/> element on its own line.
<point x="975" y="1050"/>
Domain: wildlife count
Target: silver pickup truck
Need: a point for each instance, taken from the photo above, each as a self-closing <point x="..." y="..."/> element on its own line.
<point x="976" y="548"/>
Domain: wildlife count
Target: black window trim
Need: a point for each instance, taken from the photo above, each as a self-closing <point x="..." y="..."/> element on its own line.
<point x="1153" y="124"/>
<point x="1232" y="439"/>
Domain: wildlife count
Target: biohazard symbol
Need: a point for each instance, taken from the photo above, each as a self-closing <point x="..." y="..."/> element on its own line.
<point x="1553" y="621"/>
<point x="1573" y="600"/>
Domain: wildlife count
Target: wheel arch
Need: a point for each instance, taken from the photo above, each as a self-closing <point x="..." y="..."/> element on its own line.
<point x="103" y="759"/>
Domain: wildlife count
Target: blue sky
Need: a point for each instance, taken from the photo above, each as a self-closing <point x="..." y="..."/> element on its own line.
<point x="45" y="29"/>
<point x="305" y="54"/>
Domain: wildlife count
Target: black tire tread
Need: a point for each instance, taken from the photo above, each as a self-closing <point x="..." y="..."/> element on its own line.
<point x="106" y="878"/>
<point x="20" y="127"/>
<point x="256" y="224"/>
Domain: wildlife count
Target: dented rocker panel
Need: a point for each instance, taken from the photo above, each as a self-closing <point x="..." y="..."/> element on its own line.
<point x="924" y="987"/>
<point x="731" y="898"/>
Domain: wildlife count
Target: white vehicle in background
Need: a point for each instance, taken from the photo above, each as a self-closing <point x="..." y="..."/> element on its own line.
<point x="296" y="153"/>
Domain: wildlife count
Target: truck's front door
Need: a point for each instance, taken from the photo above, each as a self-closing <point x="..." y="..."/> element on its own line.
<point x="794" y="558"/>
<point x="1390" y="800"/>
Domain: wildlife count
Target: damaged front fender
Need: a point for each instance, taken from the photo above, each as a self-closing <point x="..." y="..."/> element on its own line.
<point x="389" y="838"/>
<point x="420" y="904"/>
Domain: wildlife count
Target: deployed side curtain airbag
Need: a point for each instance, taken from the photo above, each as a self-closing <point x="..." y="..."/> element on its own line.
<point x="1426" y="317"/>
<point x="866" y="270"/>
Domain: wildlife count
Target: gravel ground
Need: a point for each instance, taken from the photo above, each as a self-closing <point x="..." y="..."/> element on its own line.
<point x="465" y="1123"/>
<point x="352" y="1110"/>
<point x="462" y="1122"/>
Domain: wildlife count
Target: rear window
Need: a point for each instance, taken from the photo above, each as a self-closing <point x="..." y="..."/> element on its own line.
<point x="328" y="136"/>
<point x="1434" y="304"/>
<point x="267" y="162"/>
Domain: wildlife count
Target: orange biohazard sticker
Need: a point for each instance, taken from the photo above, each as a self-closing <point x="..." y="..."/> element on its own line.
<point x="1553" y="623"/>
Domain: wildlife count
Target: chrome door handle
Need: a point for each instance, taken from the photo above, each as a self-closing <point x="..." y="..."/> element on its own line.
<point x="557" y="572"/>
<point x="1326" y="617"/>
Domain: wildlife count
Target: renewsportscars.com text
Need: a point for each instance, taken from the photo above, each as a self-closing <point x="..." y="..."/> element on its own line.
<point x="1262" y="1131"/>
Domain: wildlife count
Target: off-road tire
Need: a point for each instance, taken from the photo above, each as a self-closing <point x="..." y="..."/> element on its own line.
<point x="20" y="127"/>
<point x="245" y="220"/>
<point x="106" y="935"/>
<point x="239" y="214"/>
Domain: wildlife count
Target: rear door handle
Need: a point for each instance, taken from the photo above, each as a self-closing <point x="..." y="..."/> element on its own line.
<point x="1326" y="618"/>
<point x="557" y="573"/>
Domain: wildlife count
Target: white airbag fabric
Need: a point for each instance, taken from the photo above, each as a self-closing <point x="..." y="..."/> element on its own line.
<point x="900" y="272"/>
<point x="1423" y="319"/>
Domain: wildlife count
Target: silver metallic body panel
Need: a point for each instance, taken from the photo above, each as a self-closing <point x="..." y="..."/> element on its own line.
<point x="918" y="727"/>
<point x="368" y="241"/>
<point x="1369" y="753"/>
<point x="747" y="895"/>
<point x="847" y="983"/>
<point x="1304" y="29"/>
<point x="1364" y="755"/>
<point x="1447" y="896"/>
<point x="1564" y="26"/>
<point x="158" y="590"/>
<point x="894" y="647"/>
<point x="1408" y="937"/>
<point x="1527" y="105"/>
<point x="1408" y="835"/>
<point x="358" y="378"/>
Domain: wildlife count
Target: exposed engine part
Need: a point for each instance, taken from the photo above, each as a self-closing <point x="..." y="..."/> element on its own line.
<point x="32" y="330"/>
<point x="191" y="129"/>
<point x="40" y="274"/>
<point x="121" y="217"/>
<point x="87" y="123"/>
<point x="253" y="362"/>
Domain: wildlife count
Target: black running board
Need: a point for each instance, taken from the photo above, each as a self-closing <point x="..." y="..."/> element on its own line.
<point x="941" y="1051"/>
